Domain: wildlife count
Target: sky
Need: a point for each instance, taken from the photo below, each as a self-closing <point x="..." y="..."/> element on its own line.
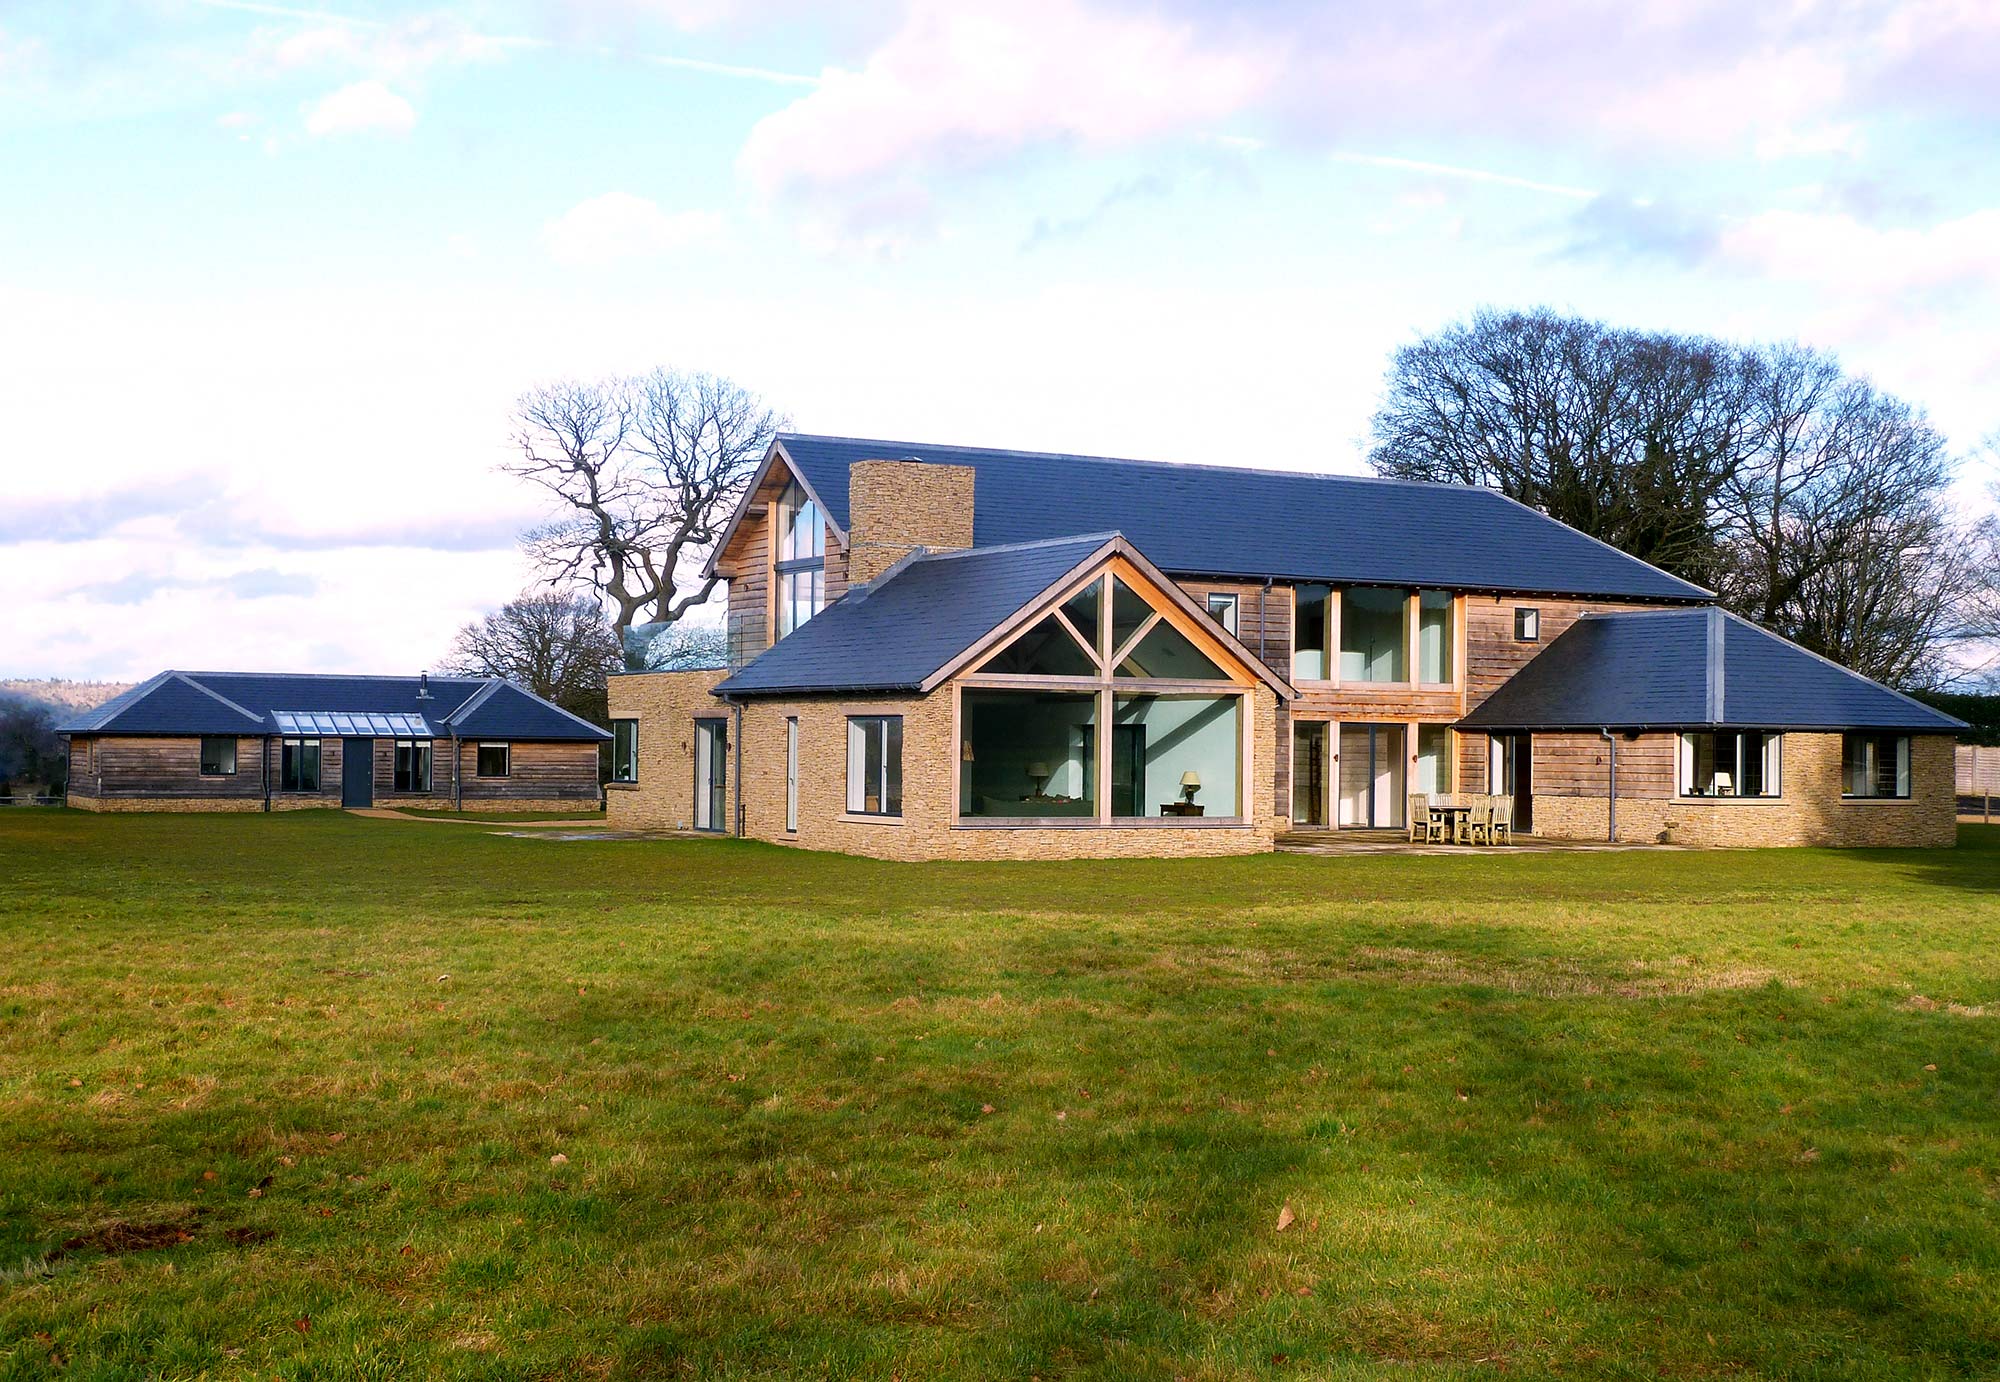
<point x="272" y="275"/>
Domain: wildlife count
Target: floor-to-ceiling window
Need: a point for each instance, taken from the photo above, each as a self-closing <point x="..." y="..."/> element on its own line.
<point x="1309" y="621"/>
<point x="1434" y="766"/>
<point x="1116" y="723"/>
<point x="1437" y="637"/>
<point x="801" y="559"/>
<point x="1371" y="774"/>
<point x="1374" y="626"/>
<point x="1309" y="773"/>
<point x="711" y="774"/>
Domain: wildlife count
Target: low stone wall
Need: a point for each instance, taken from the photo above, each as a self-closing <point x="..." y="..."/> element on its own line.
<point x="1811" y="811"/>
<point x="172" y="805"/>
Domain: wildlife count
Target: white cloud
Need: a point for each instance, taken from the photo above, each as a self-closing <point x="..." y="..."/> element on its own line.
<point x="963" y="84"/>
<point x="366" y="107"/>
<point x="618" y="225"/>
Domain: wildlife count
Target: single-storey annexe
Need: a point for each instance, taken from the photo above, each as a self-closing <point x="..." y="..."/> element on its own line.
<point x="264" y="741"/>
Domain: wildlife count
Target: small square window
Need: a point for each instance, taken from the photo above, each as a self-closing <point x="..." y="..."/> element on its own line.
<point x="491" y="761"/>
<point x="1527" y="624"/>
<point x="1223" y="605"/>
<point x="218" y="755"/>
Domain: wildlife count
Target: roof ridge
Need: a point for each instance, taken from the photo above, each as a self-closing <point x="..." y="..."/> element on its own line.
<point x="1107" y="535"/>
<point x="1133" y="461"/>
<point x="331" y="676"/>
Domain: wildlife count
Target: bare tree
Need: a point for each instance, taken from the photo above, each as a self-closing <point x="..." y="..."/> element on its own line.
<point x="1806" y="498"/>
<point x="553" y="642"/>
<point x="679" y="647"/>
<point x="647" y="471"/>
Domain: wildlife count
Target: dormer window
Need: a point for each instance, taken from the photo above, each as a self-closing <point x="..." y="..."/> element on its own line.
<point x="801" y="572"/>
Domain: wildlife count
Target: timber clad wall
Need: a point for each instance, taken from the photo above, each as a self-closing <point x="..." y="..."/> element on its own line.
<point x="748" y="566"/>
<point x="537" y="772"/>
<point x="1570" y="788"/>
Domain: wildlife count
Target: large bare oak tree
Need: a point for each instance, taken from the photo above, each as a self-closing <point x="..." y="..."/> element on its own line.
<point x="647" y="470"/>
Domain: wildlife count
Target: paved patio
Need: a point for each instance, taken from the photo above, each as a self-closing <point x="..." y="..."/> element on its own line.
<point x="1398" y="842"/>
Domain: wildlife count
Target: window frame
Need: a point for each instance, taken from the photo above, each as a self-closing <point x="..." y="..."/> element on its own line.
<point x="630" y="725"/>
<point x="860" y="722"/>
<point x="201" y="755"/>
<point x="506" y="747"/>
<point x="1527" y="623"/>
<point x="789" y="564"/>
<point x="791" y="774"/>
<point x="291" y="763"/>
<point x="1903" y="746"/>
<point x="402" y="781"/>
<point x="1231" y="612"/>
<point x="1109" y="651"/>
<point x="1685" y="754"/>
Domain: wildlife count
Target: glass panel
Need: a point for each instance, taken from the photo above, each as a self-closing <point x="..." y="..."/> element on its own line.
<point x="1167" y="654"/>
<point x="1083" y="609"/>
<point x="1128" y="612"/>
<point x="624" y="750"/>
<point x="1875" y="765"/>
<point x="802" y="533"/>
<point x="791" y="774"/>
<point x="1371" y="774"/>
<point x="1434" y="766"/>
<point x="892" y="765"/>
<point x="800" y="595"/>
<point x="1730" y="764"/>
<point x="491" y="760"/>
<point x="1435" y="637"/>
<point x="1223" y="607"/>
<point x="1028" y="754"/>
<point x="1309" y="633"/>
<point x="1372" y="632"/>
<point x="1309" y="773"/>
<point x="218" y="756"/>
<point x="1176" y="755"/>
<point x="871" y="765"/>
<point x="1045" y="650"/>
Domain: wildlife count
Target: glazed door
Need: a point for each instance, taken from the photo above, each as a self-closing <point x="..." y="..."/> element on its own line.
<point x="711" y="774"/>
<point x="1309" y="774"/>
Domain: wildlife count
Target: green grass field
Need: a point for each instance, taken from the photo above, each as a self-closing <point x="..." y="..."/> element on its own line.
<point x="311" y="1096"/>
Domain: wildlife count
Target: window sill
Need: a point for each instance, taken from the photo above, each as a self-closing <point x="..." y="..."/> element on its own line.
<point x="1877" y="801"/>
<point x="1122" y="823"/>
<point x="863" y="818"/>
<point x="1734" y="801"/>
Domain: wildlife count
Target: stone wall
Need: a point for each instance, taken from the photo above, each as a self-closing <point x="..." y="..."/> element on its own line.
<point x="666" y="703"/>
<point x="1810" y="812"/>
<point x="895" y="507"/>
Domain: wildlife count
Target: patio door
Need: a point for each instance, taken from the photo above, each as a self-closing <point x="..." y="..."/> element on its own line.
<point x="1309" y="774"/>
<point x="711" y="774"/>
<point x="1510" y="770"/>
<point x="1371" y="775"/>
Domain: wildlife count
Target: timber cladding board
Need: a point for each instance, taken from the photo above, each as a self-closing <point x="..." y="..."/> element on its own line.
<point x="141" y="766"/>
<point x="537" y="770"/>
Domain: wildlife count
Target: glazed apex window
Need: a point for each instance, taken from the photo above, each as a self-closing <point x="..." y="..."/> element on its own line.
<point x="1875" y="766"/>
<point x="801" y="559"/>
<point x="875" y="765"/>
<point x="1734" y="763"/>
<point x="413" y="765"/>
<point x="298" y="765"/>
<point x="218" y="755"/>
<point x="624" y="750"/>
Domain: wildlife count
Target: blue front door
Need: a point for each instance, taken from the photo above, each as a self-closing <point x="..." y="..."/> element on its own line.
<point x="357" y="772"/>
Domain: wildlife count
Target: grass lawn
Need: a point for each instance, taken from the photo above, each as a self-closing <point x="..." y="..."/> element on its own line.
<point x="314" y="1096"/>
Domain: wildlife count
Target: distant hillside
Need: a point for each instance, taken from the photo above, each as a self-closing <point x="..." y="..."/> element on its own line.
<point x="62" y="693"/>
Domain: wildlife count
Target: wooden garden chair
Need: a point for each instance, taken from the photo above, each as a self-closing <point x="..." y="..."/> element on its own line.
<point x="1475" y="827"/>
<point x="1500" y="830"/>
<point x="1419" y="817"/>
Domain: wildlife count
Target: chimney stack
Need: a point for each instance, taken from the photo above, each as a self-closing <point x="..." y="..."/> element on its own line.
<point x="895" y="507"/>
<point x="424" y="685"/>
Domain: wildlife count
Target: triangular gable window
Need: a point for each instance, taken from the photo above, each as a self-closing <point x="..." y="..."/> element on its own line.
<point x="1164" y="653"/>
<point x="1049" y="649"/>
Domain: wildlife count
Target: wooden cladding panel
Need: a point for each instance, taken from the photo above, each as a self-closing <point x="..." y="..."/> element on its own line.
<point x="538" y="771"/>
<point x="134" y="766"/>
<point x="1579" y="765"/>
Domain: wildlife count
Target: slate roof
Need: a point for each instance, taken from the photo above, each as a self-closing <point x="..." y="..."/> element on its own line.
<point x="248" y="702"/>
<point x="893" y="633"/>
<point x="1237" y="522"/>
<point x="1685" y="669"/>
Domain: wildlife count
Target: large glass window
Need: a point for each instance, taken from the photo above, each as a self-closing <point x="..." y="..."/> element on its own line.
<point x="801" y="559"/>
<point x="298" y="765"/>
<point x="218" y="755"/>
<point x="1373" y="630"/>
<point x="1875" y="765"/>
<point x="1434" y="765"/>
<point x="1437" y="637"/>
<point x="875" y="765"/>
<point x="413" y="765"/>
<point x="624" y="750"/>
<point x="1176" y="755"/>
<point x="1028" y="754"/>
<point x="1309" y="633"/>
<point x="1734" y="763"/>
<point x="1164" y="653"/>
<point x="1129" y="614"/>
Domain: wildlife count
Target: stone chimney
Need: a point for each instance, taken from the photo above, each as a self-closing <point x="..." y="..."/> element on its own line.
<point x="895" y="507"/>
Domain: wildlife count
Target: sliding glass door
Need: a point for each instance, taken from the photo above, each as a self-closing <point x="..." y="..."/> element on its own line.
<point x="1371" y="775"/>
